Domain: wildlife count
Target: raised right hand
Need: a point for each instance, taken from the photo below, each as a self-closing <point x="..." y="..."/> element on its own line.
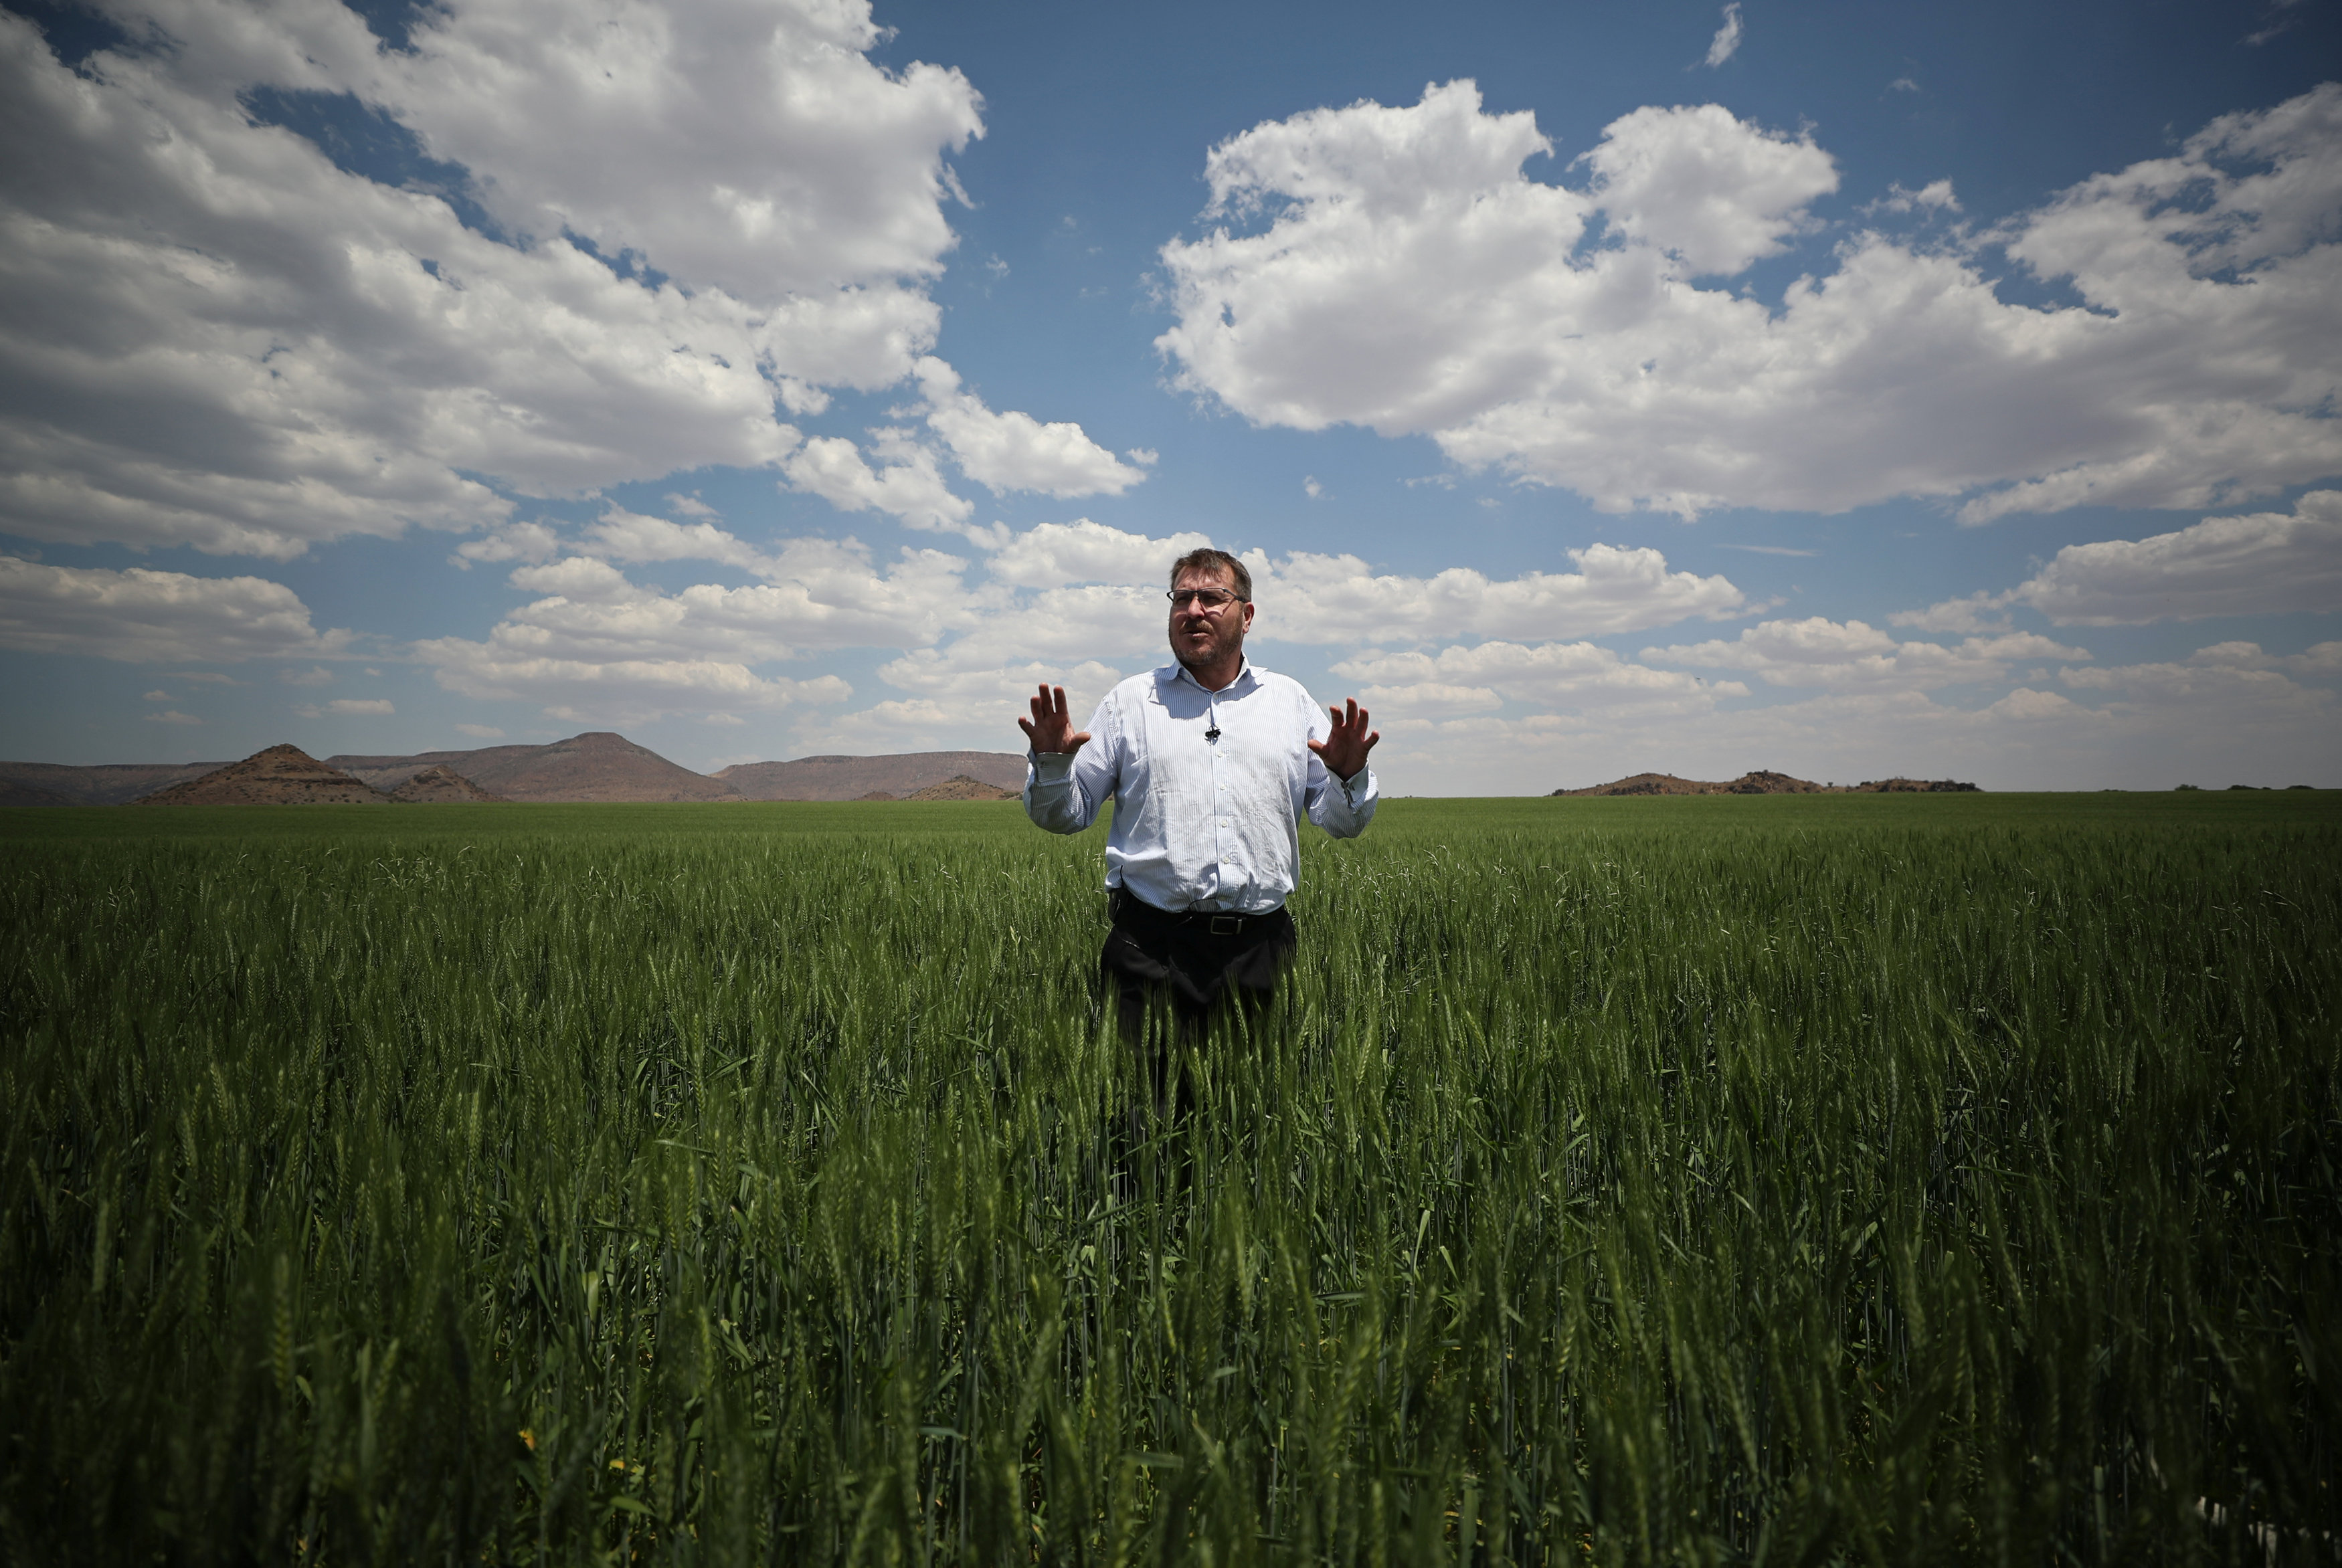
<point x="1050" y="729"/>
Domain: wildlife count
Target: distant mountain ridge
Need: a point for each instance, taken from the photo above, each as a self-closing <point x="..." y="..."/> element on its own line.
<point x="14" y="792"/>
<point x="1764" y="781"/>
<point x="597" y="765"/>
<point x="106" y="784"/>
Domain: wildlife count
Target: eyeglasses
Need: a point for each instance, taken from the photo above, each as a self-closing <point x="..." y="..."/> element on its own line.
<point x="1211" y="600"/>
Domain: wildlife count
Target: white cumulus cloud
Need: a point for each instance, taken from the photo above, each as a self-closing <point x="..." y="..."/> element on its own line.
<point x="2266" y="562"/>
<point x="2260" y="564"/>
<point x="1726" y="42"/>
<point x="597" y="643"/>
<point x="1705" y="189"/>
<point x="1340" y="600"/>
<point x="1936" y="197"/>
<point x="1081" y="604"/>
<point x="1014" y="451"/>
<point x="618" y="691"/>
<point x="531" y="542"/>
<point x="746" y="145"/>
<point x="624" y="536"/>
<point x="228" y="342"/>
<point x="1396" y="268"/>
<point x="997" y="689"/>
<point x="1054" y="554"/>
<point x="1819" y="652"/>
<point x="2199" y="681"/>
<point x="143" y="616"/>
<point x="907" y="485"/>
<point x="1574" y="675"/>
<point x="2322" y="660"/>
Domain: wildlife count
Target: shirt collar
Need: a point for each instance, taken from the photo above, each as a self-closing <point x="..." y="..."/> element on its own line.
<point x="1245" y="671"/>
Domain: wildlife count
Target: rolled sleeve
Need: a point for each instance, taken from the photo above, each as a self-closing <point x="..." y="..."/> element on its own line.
<point x="1063" y="789"/>
<point x="1343" y="807"/>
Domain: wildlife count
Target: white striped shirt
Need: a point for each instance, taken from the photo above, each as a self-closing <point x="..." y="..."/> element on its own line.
<point x="1201" y="823"/>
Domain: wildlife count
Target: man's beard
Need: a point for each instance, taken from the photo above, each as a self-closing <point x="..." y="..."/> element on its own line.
<point x="1226" y="639"/>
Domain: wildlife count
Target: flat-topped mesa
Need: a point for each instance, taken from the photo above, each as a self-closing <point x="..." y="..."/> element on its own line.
<point x="280" y="775"/>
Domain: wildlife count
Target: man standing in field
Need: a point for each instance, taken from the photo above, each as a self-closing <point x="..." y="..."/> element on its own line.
<point x="1211" y="762"/>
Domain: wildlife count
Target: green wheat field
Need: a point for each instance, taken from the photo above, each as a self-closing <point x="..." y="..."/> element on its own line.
<point x="1848" y="1179"/>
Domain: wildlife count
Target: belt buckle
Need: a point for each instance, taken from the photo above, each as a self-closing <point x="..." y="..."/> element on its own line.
<point x="1226" y="924"/>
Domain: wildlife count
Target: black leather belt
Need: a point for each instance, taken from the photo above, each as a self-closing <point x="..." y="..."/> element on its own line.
<point x="1218" y="922"/>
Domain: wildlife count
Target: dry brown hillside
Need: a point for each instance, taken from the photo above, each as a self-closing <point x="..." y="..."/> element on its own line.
<point x="962" y="787"/>
<point x="1762" y="780"/>
<point x="857" y="778"/>
<point x="597" y="765"/>
<point x="14" y="792"/>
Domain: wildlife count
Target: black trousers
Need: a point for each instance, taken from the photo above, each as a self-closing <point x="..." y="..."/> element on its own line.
<point x="1166" y="976"/>
<point x="1189" y="966"/>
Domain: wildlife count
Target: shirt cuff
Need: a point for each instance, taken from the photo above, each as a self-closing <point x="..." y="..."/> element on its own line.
<point x="1053" y="768"/>
<point x="1356" y="784"/>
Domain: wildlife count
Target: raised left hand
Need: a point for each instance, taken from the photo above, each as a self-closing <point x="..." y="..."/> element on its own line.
<point x="1343" y="752"/>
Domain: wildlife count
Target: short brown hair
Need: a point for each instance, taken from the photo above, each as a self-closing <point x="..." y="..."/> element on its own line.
<point x="1210" y="560"/>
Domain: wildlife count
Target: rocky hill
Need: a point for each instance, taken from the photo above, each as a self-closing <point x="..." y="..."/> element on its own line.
<point x="440" y="785"/>
<point x="962" y="787"/>
<point x="1762" y="781"/>
<point x="1915" y="786"/>
<point x="859" y="778"/>
<point x="280" y="775"/>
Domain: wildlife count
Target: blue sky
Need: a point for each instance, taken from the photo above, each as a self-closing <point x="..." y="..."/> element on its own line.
<point x="1845" y="390"/>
